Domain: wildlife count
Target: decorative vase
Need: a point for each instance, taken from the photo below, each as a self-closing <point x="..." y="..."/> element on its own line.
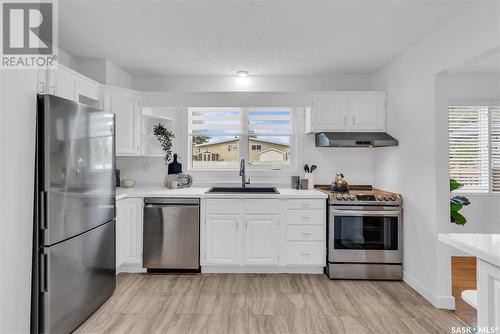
<point x="174" y="167"/>
<point x="167" y="181"/>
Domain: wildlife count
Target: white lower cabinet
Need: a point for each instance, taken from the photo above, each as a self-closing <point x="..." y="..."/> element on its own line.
<point x="305" y="253"/>
<point x="129" y="233"/>
<point x="261" y="239"/>
<point x="222" y="239"/>
<point x="267" y="235"/>
<point x="488" y="287"/>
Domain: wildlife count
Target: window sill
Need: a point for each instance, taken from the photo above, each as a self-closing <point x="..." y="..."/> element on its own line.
<point x="474" y="193"/>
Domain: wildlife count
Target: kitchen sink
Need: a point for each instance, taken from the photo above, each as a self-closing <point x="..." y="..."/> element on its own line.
<point x="251" y="190"/>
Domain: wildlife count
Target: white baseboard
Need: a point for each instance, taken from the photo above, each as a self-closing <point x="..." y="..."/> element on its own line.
<point x="130" y="268"/>
<point x="442" y="302"/>
<point x="262" y="270"/>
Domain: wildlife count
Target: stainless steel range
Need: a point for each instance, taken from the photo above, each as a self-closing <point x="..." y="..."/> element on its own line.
<point x="365" y="234"/>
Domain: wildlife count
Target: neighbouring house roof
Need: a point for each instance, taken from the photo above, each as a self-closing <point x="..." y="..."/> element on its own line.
<point x="235" y="139"/>
<point x="272" y="149"/>
<point x="216" y="142"/>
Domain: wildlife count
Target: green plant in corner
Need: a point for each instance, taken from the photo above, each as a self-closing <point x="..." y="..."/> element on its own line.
<point x="456" y="204"/>
<point x="165" y="137"/>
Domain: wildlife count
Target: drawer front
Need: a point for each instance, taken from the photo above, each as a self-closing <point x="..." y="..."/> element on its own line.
<point x="308" y="253"/>
<point x="305" y="233"/>
<point x="229" y="206"/>
<point x="305" y="204"/>
<point x="261" y="206"/>
<point x="306" y="217"/>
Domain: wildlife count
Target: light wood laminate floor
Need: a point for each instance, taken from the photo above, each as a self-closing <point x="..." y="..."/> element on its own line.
<point x="261" y="303"/>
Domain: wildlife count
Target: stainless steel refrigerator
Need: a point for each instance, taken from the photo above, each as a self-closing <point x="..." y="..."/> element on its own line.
<point x="74" y="228"/>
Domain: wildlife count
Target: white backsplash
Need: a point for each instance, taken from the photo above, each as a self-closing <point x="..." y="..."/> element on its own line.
<point x="355" y="163"/>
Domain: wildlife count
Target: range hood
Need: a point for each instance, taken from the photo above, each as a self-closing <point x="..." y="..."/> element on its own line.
<point x="354" y="139"/>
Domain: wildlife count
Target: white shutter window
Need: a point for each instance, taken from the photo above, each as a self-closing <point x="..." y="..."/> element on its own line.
<point x="495" y="148"/>
<point x="469" y="152"/>
<point x="269" y="121"/>
<point x="221" y="121"/>
<point x="220" y="137"/>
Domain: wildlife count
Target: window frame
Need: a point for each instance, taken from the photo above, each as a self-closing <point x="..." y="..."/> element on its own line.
<point x="244" y="135"/>
<point x="479" y="104"/>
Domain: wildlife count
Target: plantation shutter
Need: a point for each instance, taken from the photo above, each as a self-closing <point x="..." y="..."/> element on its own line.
<point x="269" y="121"/>
<point x="469" y="153"/>
<point x="495" y="148"/>
<point x="215" y="121"/>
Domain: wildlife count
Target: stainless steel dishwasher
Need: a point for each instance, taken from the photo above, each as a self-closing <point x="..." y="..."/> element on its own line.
<point x="171" y="233"/>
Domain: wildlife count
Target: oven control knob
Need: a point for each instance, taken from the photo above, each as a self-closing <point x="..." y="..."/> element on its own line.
<point x="352" y="197"/>
<point x="386" y="198"/>
<point x="380" y="198"/>
<point x="346" y="197"/>
<point x="339" y="197"/>
<point x="393" y="198"/>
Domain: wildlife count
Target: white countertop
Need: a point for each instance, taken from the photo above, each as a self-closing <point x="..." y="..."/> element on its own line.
<point x="161" y="191"/>
<point x="483" y="246"/>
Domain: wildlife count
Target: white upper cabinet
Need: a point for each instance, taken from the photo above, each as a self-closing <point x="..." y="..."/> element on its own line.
<point x="125" y="104"/>
<point x="71" y="85"/>
<point x="346" y="111"/>
<point x="329" y="112"/>
<point x="261" y="239"/>
<point x="367" y="111"/>
<point x="223" y="239"/>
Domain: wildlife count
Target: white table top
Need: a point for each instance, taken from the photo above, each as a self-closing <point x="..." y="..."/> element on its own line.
<point x="483" y="246"/>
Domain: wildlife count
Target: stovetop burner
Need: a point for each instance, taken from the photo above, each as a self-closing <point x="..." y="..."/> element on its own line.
<point x="361" y="195"/>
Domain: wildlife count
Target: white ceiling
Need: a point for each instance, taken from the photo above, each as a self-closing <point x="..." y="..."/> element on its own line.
<point x="486" y="65"/>
<point x="263" y="37"/>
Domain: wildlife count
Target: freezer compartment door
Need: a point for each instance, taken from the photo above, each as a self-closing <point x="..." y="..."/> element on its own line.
<point x="76" y="277"/>
<point x="171" y="235"/>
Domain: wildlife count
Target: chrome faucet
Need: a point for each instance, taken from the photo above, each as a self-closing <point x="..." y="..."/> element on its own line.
<point x="243" y="175"/>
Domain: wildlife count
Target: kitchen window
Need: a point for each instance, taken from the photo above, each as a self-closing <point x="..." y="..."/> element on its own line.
<point x="261" y="136"/>
<point x="474" y="144"/>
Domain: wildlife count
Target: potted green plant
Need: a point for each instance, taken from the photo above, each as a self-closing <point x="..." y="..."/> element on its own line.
<point x="165" y="137"/>
<point x="456" y="204"/>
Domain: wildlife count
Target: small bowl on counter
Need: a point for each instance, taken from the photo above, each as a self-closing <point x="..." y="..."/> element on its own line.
<point x="128" y="183"/>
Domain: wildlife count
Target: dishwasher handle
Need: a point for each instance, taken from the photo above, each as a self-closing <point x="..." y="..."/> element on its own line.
<point x="162" y="201"/>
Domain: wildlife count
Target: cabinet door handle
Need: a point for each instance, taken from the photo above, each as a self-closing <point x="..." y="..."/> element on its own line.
<point x="237" y="223"/>
<point x="306" y="218"/>
<point x="306" y="234"/>
<point x="306" y="205"/>
<point x="353" y="120"/>
<point x="345" y="121"/>
<point x="305" y="254"/>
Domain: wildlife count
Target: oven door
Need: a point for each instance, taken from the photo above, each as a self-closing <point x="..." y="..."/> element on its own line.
<point x="365" y="234"/>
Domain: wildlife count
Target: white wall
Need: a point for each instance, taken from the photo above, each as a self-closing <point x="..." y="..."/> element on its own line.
<point x="116" y="76"/>
<point x="94" y="68"/>
<point x="17" y="147"/>
<point x="67" y="60"/>
<point x="356" y="163"/>
<point x="418" y="168"/>
<point x="105" y="72"/>
<point x="473" y="88"/>
<point x="298" y="83"/>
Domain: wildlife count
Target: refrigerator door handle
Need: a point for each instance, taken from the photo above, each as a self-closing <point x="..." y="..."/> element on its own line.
<point x="44" y="272"/>
<point x="43" y="210"/>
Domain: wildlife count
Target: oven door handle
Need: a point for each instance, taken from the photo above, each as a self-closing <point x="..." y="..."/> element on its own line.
<point x="366" y="213"/>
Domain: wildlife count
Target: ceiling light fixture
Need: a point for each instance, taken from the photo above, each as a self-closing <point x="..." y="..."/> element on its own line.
<point x="242" y="74"/>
